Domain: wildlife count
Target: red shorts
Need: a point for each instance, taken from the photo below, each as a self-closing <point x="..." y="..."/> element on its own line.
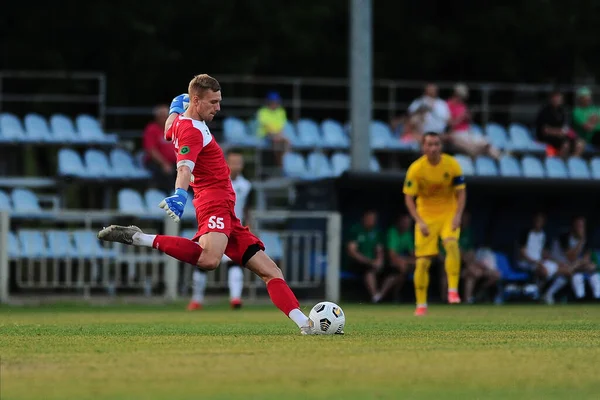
<point x="219" y="216"/>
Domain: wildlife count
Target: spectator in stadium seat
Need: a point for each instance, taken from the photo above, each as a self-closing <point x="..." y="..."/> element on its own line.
<point x="160" y="157"/>
<point x="435" y="109"/>
<point x="586" y="117"/>
<point x="459" y="127"/>
<point x="552" y="128"/>
<point x="535" y="257"/>
<point x="401" y="251"/>
<point x="573" y="249"/>
<point x="413" y="128"/>
<point x="479" y="266"/>
<point x="271" y="120"/>
<point x="365" y="249"/>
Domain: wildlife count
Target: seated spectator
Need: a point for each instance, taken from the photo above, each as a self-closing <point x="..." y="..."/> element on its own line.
<point x="459" y="127"/>
<point x="586" y="117"/>
<point x="479" y="266"/>
<point x="572" y="249"/>
<point x="271" y="120"/>
<point x="552" y="128"/>
<point x="401" y="251"/>
<point x="160" y="157"/>
<point x="435" y="110"/>
<point x="413" y="128"/>
<point x="534" y="256"/>
<point x="365" y="249"/>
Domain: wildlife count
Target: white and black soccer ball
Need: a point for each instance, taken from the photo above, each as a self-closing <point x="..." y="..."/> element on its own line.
<point x="327" y="318"/>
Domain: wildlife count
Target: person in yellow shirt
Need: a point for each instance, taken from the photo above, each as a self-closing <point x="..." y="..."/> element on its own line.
<point x="436" y="180"/>
<point x="272" y="119"/>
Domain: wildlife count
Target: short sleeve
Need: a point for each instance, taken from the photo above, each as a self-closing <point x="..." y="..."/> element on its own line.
<point x="411" y="186"/>
<point x="151" y="137"/>
<point x="189" y="145"/>
<point x="458" y="179"/>
<point x="578" y="117"/>
<point x="353" y="236"/>
<point x="392" y="239"/>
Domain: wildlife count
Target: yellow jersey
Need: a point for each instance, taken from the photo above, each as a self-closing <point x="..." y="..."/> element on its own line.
<point x="271" y="120"/>
<point x="434" y="185"/>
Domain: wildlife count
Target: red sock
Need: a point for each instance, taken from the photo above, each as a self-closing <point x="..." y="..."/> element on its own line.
<point x="282" y="296"/>
<point x="177" y="247"/>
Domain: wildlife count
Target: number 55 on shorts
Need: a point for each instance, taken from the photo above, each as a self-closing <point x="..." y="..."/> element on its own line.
<point x="215" y="222"/>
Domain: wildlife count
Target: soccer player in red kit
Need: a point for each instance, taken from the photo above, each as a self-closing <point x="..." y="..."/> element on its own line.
<point x="201" y="165"/>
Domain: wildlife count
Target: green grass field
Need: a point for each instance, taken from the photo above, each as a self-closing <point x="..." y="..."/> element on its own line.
<point x="154" y="352"/>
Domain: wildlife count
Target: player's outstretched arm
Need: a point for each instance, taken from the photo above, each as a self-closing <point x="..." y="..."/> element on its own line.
<point x="178" y="106"/>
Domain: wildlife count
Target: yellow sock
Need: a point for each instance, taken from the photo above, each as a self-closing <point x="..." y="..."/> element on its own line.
<point x="452" y="264"/>
<point x="422" y="280"/>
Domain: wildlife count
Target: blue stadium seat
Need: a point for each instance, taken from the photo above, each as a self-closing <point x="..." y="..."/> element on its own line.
<point x="374" y="165"/>
<point x="294" y="166"/>
<point x="37" y="129"/>
<point x="25" y="202"/>
<point x="90" y="130"/>
<point x="130" y="201"/>
<point x="97" y="165"/>
<point x="33" y="244"/>
<point x="138" y="159"/>
<point x="476" y="129"/>
<point x="88" y="245"/>
<point x="60" y="244"/>
<point x="289" y="131"/>
<point x="521" y="139"/>
<point x="508" y="274"/>
<point x="189" y="212"/>
<point x="496" y="135"/>
<point x="4" y="202"/>
<point x="595" y="166"/>
<point x="340" y="163"/>
<point x="578" y="168"/>
<point x="509" y="166"/>
<point x="63" y="129"/>
<point x="308" y="133"/>
<point x="532" y="167"/>
<point x="153" y="197"/>
<point x="555" y="168"/>
<point x="319" y="166"/>
<point x="235" y="132"/>
<point x="70" y="164"/>
<point x="381" y="136"/>
<point x="273" y="244"/>
<point x="466" y="164"/>
<point x="11" y="129"/>
<point x="334" y="135"/>
<point x="485" y="166"/>
<point x="188" y="233"/>
<point x="122" y="161"/>
<point x="14" y="247"/>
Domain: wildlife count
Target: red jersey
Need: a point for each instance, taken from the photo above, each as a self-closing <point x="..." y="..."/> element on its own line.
<point x="197" y="148"/>
<point x="154" y="139"/>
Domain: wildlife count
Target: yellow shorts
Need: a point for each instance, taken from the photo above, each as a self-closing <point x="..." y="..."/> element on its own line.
<point x="439" y="228"/>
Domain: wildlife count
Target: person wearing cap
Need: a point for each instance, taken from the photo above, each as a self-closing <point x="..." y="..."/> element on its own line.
<point x="459" y="126"/>
<point x="586" y="117"/>
<point x="272" y="119"/>
<point x="552" y="128"/>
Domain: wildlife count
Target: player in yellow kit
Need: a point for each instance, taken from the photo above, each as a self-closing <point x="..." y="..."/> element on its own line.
<point x="436" y="180"/>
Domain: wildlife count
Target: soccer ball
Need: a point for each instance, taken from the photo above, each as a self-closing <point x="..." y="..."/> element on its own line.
<point x="327" y="318"/>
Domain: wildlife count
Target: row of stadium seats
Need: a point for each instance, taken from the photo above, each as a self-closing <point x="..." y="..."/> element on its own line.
<point x="95" y="164"/>
<point x="317" y="165"/>
<point x="531" y="167"/>
<point x="62" y="244"/>
<point x="307" y="133"/>
<point x="60" y="129"/>
<point x="34" y="244"/>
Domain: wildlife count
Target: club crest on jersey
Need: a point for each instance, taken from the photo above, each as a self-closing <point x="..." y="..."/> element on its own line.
<point x="408" y="183"/>
<point x="184" y="150"/>
<point x="446" y="175"/>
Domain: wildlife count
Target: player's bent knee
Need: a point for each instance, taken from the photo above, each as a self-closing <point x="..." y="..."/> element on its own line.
<point x="209" y="263"/>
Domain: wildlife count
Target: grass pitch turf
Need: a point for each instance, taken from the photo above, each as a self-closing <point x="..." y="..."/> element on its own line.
<point x="154" y="352"/>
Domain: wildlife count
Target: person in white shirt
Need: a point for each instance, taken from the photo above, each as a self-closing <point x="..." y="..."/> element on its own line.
<point x="241" y="187"/>
<point x="437" y="113"/>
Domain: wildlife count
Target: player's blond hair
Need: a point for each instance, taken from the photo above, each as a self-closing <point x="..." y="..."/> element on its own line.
<point x="201" y="83"/>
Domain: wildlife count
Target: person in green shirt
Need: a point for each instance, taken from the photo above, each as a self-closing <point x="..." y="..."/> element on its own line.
<point x="271" y="120"/>
<point x="401" y="250"/>
<point x="365" y="252"/>
<point x="586" y="117"/>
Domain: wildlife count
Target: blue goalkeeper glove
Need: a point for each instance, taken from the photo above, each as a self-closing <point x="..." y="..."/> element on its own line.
<point x="174" y="205"/>
<point x="180" y="104"/>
